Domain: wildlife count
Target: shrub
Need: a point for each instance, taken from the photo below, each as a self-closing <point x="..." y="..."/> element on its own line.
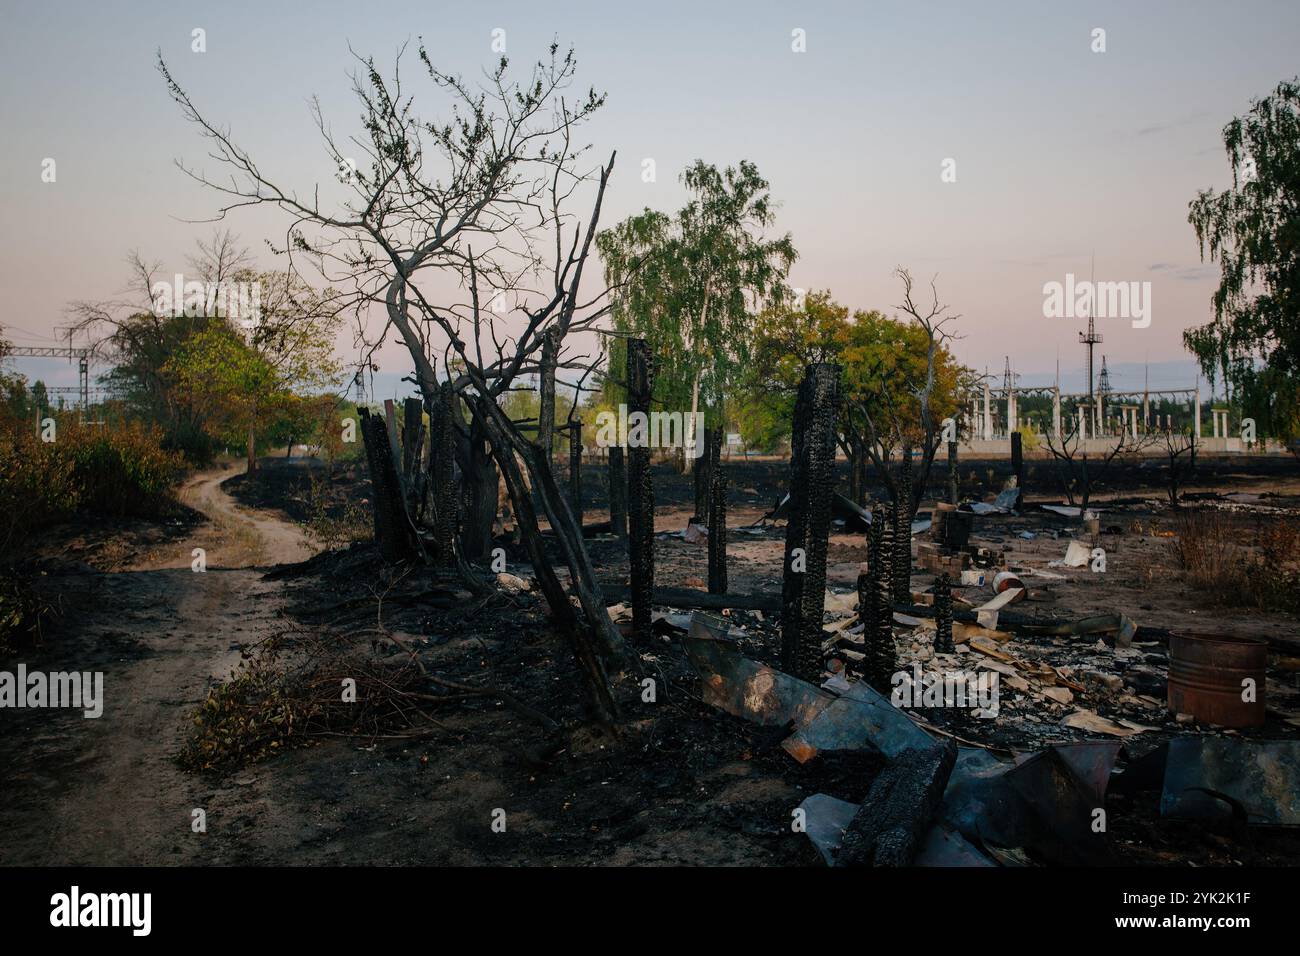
<point x="1234" y="566"/>
<point x="115" y="471"/>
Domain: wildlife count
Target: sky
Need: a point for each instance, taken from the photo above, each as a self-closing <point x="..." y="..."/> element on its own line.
<point x="1066" y="160"/>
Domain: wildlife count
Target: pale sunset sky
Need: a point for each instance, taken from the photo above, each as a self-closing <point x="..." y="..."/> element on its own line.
<point x="1061" y="153"/>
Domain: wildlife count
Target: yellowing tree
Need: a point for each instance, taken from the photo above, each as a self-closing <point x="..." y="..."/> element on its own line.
<point x="247" y="374"/>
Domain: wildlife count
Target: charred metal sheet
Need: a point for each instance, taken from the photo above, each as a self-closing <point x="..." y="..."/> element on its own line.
<point x="745" y="688"/>
<point x="860" y="718"/>
<point x="1143" y="774"/>
<point x="1040" y="804"/>
<point x="1091" y="761"/>
<point x="825" y="818"/>
<point x="943" y="847"/>
<point x="1221" y="777"/>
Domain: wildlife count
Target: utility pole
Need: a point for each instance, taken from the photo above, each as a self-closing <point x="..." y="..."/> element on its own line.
<point x="1092" y="337"/>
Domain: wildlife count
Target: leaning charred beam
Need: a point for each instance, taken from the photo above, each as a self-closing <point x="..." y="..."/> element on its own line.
<point x="717" y="529"/>
<point x="616" y="593"/>
<point x="812" y="484"/>
<point x="888" y="828"/>
<point x="641" y="496"/>
<point x="579" y="635"/>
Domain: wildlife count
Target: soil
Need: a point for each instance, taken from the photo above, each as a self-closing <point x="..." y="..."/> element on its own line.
<point x="684" y="784"/>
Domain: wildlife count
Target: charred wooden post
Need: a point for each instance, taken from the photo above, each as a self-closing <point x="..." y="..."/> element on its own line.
<point x="717" y="529"/>
<point x="943" y="614"/>
<point x="575" y="468"/>
<point x="546" y="413"/>
<point x="796" y="530"/>
<point x="481" y="495"/>
<point x="856" y="489"/>
<point x="812" y="485"/>
<point x="701" y="476"/>
<point x="711" y="453"/>
<point x="641" y="495"/>
<point x="392" y="530"/>
<point x="901" y="558"/>
<point x="445" y="500"/>
<point x="617" y="492"/>
<point x="1018" y="462"/>
<point x="890" y="825"/>
<point x="875" y="608"/>
<point x="952" y="473"/>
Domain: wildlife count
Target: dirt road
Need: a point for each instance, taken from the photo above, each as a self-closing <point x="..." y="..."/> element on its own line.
<point x="107" y="790"/>
<point x="238" y="536"/>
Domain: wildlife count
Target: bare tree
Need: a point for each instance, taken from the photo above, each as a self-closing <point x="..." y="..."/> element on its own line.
<point x="882" y="418"/>
<point x="457" y="233"/>
<point x="1180" y="449"/>
<point x="1079" y="469"/>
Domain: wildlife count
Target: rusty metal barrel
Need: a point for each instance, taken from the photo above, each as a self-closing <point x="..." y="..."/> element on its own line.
<point x="1208" y="678"/>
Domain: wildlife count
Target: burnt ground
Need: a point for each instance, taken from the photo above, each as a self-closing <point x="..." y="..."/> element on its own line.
<point x="685" y="784"/>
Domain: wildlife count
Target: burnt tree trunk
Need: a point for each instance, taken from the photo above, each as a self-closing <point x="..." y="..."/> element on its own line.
<point x="617" y="492"/>
<point x="392" y="534"/>
<point x="546" y="412"/>
<point x="641" y="495"/>
<point x="812" y="485"/>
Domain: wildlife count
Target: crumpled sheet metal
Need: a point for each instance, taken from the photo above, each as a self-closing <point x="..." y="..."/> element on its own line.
<point x="826" y="818"/>
<point x="1044" y="802"/>
<point x="1091" y="761"/>
<point x="745" y="688"/>
<point x="860" y="718"/>
<point x="1211" y="777"/>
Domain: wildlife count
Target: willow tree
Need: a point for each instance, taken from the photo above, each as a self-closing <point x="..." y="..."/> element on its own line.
<point x="1253" y="230"/>
<point x="689" y="283"/>
<point x="458" y="234"/>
